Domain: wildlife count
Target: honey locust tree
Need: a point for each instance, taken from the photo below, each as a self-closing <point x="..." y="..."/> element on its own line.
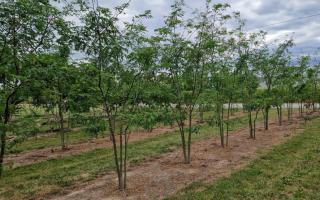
<point x="218" y="58"/>
<point x="182" y="69"/>
<point x="272" y="61"/>
<point x="26" y="28"/>
<point x="248" y="60"/>
<point x="111" y="45"/>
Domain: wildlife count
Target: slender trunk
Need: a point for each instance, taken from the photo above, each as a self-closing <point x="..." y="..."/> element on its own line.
<point x="2" y="149"/>
<point x="114" y="144"/>
<point x="221" y="126"/>
<point x="250" y="123"/>
<point x="266" y="120"/>
<point x="62" y="131"/>
<point x="288" y="109"/>
<point x="125" y="159"/>
<point x="228" y="118"/>
<point x="183" y="140"/>
<point x="121" y="160"/>
<point x="279" y="112"/>
<point x="3" y="137"/>
<point x="280" y="117"/>
<point x="254" y="124"/>
<point x="189" y="137"/>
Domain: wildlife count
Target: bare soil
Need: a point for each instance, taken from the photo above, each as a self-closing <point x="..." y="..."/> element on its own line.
<point x="165" y="175"/>
<point x="39" y="155"/>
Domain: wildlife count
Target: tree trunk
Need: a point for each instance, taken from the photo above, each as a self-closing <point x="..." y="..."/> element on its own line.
<point x="189" y="137"/>
<point x="221" y="125"/>
<point x="62" y="131"/>
<point x="3" y="137"/>
<point x="2" y="149"/>
<point x="288" y="109"/>
<point x="279" y="112"/>
<point x="121" y="185"/>
<point x="280" y="119"/>
<point x="254" y="124"/>
<point x="114" y="144"/>
<point x="125" y="159"/>
<point x="183" y="140"/>
<point x="266" y="120"/>
<point x="228" y="118"/>
<point x="250" y="123"/>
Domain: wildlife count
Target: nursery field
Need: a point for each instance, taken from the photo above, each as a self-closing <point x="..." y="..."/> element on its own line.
<point x="99" y="100"/>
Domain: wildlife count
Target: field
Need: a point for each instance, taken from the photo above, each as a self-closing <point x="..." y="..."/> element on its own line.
<point x="109" y="100"/>
<point x="80" y="174"/>
<point x="269" y="176"/>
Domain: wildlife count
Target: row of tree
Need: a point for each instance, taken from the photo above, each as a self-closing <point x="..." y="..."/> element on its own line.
<point x="194" y="61"/>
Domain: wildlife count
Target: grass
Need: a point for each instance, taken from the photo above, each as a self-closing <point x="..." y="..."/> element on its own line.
<point x="289" y="171"/>
<point x="53" y="140"/>
<point x="50" y="176"/>
<point x="48" y="141"/>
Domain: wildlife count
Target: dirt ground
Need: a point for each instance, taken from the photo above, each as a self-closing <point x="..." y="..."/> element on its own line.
<point x="165" y="175"/>
<point x="38" y="155"/>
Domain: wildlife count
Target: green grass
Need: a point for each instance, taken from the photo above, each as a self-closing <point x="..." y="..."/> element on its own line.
<point x="74" y="137"/>
<point x="48" y="141"/>
<point x="289" y="171"/>
<point x="52" y="175"/>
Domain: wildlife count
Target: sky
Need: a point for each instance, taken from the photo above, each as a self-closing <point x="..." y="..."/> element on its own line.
<point x="256" y="13"/>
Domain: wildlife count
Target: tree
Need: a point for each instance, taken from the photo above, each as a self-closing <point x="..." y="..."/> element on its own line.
<point x="27" y="27"/>
<point x="120" y="67"/>
<point x="217" y="58"/>
<point x="183" y="69"/>
<point x="54" y="88"/>
<point x="270" y="68"/>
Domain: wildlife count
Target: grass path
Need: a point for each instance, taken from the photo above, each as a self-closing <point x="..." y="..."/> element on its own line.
<point x="289" y="171"/>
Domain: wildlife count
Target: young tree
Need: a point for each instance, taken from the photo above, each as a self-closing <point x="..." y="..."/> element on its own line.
<point x="115" y="52"/>
<point x="221" y="76"/>
<point x="272" y="62"/>
<point x="183" y="69"/>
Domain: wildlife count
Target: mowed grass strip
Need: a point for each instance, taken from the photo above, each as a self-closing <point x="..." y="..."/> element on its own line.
<point x="289" y="171"/>
<point x="48" y="141"/>
<point x="50" y="176"/>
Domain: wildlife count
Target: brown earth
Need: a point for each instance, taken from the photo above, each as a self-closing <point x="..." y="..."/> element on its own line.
<point x="165" y="175"/>
<point x="39" y="155"/>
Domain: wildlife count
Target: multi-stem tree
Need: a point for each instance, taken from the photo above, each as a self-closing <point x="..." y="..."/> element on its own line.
<point x="113" y="48"/>
<point x="272" y="62"/>
<point x="182" y="68"/>
<point x="217" y="45"/>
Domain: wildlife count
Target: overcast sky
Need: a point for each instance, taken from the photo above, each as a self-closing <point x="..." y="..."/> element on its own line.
<point x="257" y="13"/>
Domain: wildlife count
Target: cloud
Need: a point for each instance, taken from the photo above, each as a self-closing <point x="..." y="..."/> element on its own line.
<point x="257" y="13"/>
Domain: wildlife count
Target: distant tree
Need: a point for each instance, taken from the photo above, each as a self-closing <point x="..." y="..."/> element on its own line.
<point x="54" y="88"/>
<point x="271" y="63"/>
